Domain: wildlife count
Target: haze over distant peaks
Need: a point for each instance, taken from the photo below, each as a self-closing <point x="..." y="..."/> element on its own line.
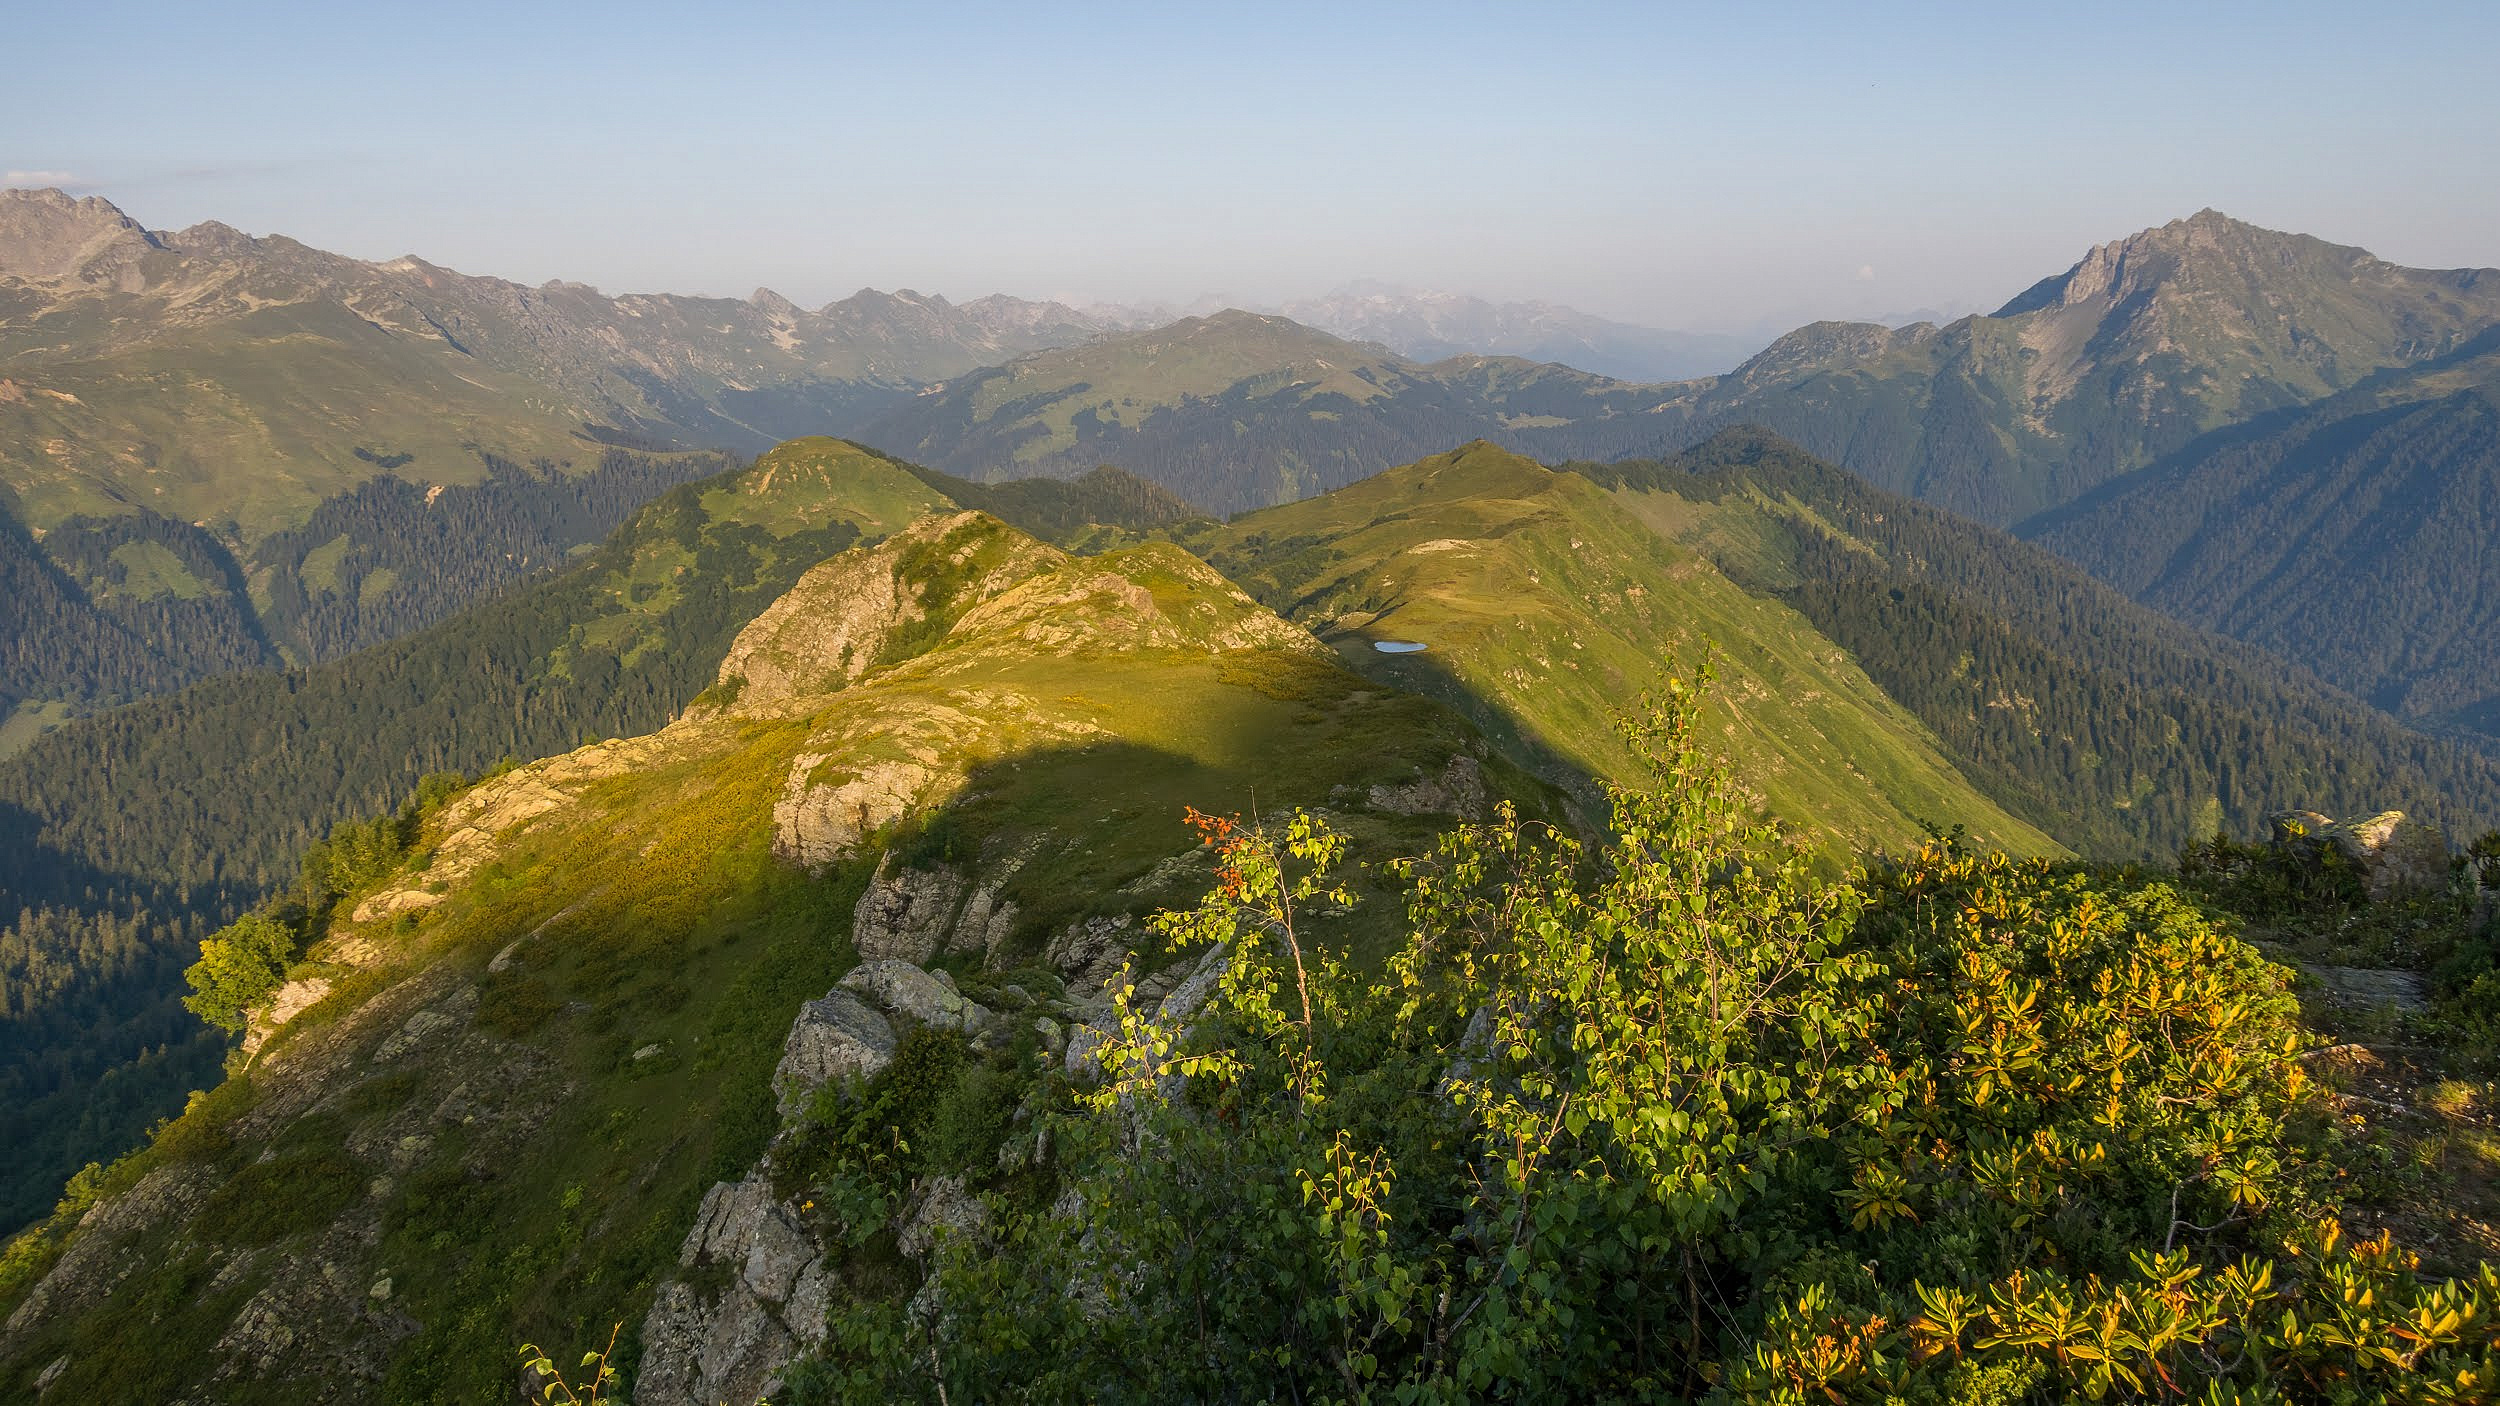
<point x="1431" y="326"/>
<point x="1240" y="410"/>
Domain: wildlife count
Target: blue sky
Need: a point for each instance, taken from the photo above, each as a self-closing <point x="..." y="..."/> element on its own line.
<point x="1718" y="166"/>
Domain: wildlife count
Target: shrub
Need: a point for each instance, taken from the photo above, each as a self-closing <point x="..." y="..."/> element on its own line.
<point x="294" y="1191"/>
<point x="515" y="1004"/>
<point x="1670" y="1117"/>
<point x="240" y="966"/>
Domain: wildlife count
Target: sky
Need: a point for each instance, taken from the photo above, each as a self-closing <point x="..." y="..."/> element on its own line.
<point x="1709" y="167"/>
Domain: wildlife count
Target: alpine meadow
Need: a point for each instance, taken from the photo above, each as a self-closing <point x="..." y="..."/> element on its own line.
<point x="1709" y="743"/>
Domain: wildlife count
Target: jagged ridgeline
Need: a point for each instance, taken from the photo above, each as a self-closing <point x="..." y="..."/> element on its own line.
<point x="529" y="1051"/>
<point x="124" y="832"/>
<point x="2124" y="733"/>
<point x="2146" y="344"/>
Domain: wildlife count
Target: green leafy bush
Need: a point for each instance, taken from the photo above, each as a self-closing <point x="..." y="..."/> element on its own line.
<point x="1670" y="1117"/>
<point x="239" y="966"/>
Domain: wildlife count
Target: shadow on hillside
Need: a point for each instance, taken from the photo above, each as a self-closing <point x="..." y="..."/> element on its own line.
<point x="1429" y="674"/>
<point x="2264" y="426"/>
<point x="1070" y="833"/>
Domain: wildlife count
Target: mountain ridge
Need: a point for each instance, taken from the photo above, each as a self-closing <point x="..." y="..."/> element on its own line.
<point x="99" y="305"/>
<point x="2190" y="326"/>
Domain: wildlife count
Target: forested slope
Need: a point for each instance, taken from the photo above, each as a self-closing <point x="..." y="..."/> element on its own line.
<point x="2119" y="730"/>
<point x="2354" y="538"/>
<point x="120" y="834"/>
<point x="103" y="612"/>
<point x="392" y="556"/>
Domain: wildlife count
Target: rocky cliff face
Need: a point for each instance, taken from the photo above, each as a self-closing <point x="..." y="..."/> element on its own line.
<point x="2394" y="854"/>
<point x="45" y="234"/>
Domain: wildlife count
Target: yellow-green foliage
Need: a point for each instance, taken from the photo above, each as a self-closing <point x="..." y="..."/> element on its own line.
<point x="1675" y="1118"/>
<point x="238" y="967"/>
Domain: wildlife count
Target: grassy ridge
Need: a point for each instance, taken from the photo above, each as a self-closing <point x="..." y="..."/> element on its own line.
<point x="612" y="985"/>
<point x="1548" y="610"/>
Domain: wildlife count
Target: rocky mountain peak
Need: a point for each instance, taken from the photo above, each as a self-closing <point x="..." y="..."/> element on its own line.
<point x="50" y="233"/>
<point x="210" y="237"/>
<point x="2208" y="248"/>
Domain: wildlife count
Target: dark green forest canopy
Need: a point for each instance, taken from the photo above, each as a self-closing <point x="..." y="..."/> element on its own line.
<point x="110" y="610"/>
<point x="2354" y="539"/>
<point x="2123" y="732"/>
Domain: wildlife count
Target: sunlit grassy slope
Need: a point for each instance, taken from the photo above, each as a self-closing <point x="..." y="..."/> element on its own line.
<point x="514" y="1097"/>
<point x="1548" y="610"/>
<point x="2124" y="733"/>
<point x="257" y="420"/>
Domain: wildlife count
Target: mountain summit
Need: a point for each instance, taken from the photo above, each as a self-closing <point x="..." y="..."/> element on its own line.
<point x="210" y="375"/>
<point x="51" y="234"/>
<point x="2144" y="344"/>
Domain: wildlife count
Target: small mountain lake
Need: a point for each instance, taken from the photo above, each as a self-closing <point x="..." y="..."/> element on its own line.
<point x="1398" y="646"/>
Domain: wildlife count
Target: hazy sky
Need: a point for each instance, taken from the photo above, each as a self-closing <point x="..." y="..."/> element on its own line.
<point x="1707" y="166"/>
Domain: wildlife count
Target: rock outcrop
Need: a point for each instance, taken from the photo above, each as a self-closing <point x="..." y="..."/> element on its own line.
<point x="1459" y="790"/>
<point x="914" y="914"/>
<point x="838" y="1037"/>
<point x="729" y="1343"/>
<point x="856" y="611"/>
<point x="900" y="752"/>
<point x="289" y="1001"/>
<point x="929" y="998"/>
<point x="1089" y="952"/>
<point x="2394" y="855"/>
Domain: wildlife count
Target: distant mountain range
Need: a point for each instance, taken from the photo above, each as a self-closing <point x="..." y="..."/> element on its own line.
<point x="220" y="451"/>
<point x="1435" y="326"/>
<point x="2136" y="352"/>
<point x="1243" y="410"/>
<point x="211" y="376"/>
<point x="223" y="451"/>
